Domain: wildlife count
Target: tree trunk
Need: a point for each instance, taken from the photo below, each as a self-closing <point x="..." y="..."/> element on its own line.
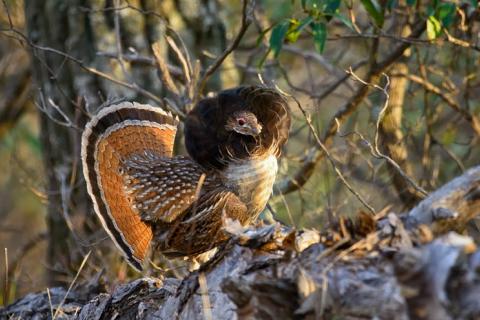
<point x="391" y="126"/>
<point x="62" y="33"/>
<point x="50" y="24"/>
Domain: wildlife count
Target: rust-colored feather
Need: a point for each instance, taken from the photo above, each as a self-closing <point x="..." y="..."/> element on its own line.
<point x="116" y="134"/>
<point x="143" y="194"/>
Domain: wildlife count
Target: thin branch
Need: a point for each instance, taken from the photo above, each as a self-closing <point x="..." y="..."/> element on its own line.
<point x="184" y="49"/>
<point x="6" y="285"/>
<point x="59" y="307"/>
<point x="187" y="71"/>
<point x="10" y="23"/>
<point x="318" y="58"/>
<point x="314" y="155"/>
<point x="377" y="153"/>
<point x="246" y="21"/>
<point x="118" y="39"/>
<point x="308" y="119"/>
<point x="127" y="6"/>
<point x="101" y="74"/>
<point x="207" y="312"/>
<point x="165" y="73"/>
<point x="135" y="58"/>
<point x="24" y="250"/>
<point x="449" y="100"/>
<point x="42" y="106"/>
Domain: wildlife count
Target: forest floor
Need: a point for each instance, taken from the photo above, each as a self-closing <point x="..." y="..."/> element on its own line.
<point x="416" y="265"/>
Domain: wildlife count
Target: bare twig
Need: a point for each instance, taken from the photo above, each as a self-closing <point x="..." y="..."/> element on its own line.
<point x="24" y="250"/>
<point x="314" y="155"/>
<point x="377" y="153"/>
<point x="328" y="90"/>
<point x="308" y="119"/>
<point x="118" y="39"/>
<point x="126" y="6"/>
<point x="50" y="302"/>
<point x="10" y="23"/>
<point x="101" y="74"/>
<point x="42" y="106"/>
<point x="59" y="307"/>
<point x="207" y="312"/>
<point x="452" y="155"/>
<point x="312" y="55"/>
<point x="6" y="285"/>
<point x="289" y="212"/>
<point x="448" y="99"/>
<point x="184" y="50"/>
<point x="139" y="59"/>
<point x="246" y="21"/>
<point x="181" y="57"/>
<point x="165" y="73"/>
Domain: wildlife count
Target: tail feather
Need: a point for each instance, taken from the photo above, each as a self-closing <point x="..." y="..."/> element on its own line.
<point x="114" y="135"/>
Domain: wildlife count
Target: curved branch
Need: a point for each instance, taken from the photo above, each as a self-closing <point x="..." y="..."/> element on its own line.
<point x="246" y="21"/>
<point x="315" y="154"/>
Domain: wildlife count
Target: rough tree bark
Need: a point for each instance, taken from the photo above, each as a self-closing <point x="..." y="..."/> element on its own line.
<point x="391" y="126"/>
<point x="56" y="24"/>
<point x="59" y="32"/>
<point x="393" y="138"/>
<point x="384" y="267"/>
<point x="208" y="32"/>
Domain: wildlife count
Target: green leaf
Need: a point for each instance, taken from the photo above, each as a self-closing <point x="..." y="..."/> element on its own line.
<point x="446" y="13"/>
<point x="411" y="3"/>
<point x="430" y="10"/>
<point x="317" y="8"/>
<point x="262" y="60"/>
<point x="296" y="28"/>
<point x="474" y="3"/>
<point x="304" y="22"/>
<point x="262" y="35"/>
<point x="278" y="35"/>
<point x="374" y="11"/>
<point x="319" y="30"/>
<point x="391" y="4"/>
<point x="434" y="28"/>
<point x="345" y="21"/>
<point x="331" y="6"/>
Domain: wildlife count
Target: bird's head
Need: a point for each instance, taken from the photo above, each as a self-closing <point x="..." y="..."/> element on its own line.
<point x="243" y="122"/>
<point x="240" y="123"/>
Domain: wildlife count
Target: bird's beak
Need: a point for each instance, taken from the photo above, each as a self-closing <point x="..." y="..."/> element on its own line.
<point x="257" y="130"/>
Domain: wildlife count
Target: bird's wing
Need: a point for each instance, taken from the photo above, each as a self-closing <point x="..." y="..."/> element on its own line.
<point x="115" y="134"/>
<point x="163" y="188"/>
<point x="217" y="202"/>
<point x="202" y="227"/>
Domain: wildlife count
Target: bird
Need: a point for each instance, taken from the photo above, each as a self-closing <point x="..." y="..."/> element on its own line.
<point x="148" y="199"/>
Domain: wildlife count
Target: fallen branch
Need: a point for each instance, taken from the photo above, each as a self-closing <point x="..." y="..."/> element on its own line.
<point x="451" y="206"/>
<point x="361" y="269"/>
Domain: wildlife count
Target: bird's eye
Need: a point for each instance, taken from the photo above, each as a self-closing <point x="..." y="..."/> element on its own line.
<point x="241" y="122"/>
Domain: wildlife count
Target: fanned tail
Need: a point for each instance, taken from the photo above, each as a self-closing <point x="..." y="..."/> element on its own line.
<point x="115" y="134"/>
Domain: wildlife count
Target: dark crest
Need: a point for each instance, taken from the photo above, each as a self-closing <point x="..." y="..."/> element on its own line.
<point x="212" y="146"/>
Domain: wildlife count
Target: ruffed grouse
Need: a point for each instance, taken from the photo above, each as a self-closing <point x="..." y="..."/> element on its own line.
<point x="142" y="194"/>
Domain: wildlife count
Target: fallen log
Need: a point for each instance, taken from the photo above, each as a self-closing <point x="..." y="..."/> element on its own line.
<point x="390" y="267"/>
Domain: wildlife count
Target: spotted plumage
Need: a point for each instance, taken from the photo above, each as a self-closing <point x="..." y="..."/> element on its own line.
<point x="145" y="198"/>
